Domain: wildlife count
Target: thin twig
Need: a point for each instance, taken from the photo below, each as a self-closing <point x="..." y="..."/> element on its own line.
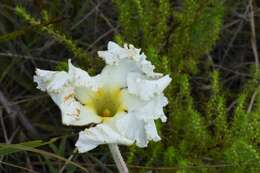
<point x="3" y="125"/>
<point x="105" y="18"/>
<point x="100" y="38"/>
<point x="87" y="15"/>
<point x="16" y="111"/>
<point x="253" y="35"/>
<point x="239" y="28"/>
<point x="232" y="71"/>
<point x="162" y="168"/>
<point x="11" y="55"/>
<point x="16" y="166"/>
<point x="10" y="140"/>
<point x="252" y="100"/>
<point x="69" y="159"/>
<point x="99" y="163"/>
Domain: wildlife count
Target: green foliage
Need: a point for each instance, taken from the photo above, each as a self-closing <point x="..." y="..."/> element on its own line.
<point x="208" y="130"/>
<point x="240" y="119"/>
<point x="175" y="39"/>
<point x="8" y="149"/>
<point x="60" y="150"/>
<point x="13" y="35"/>
<point x="53" y="32"/>
<point x="216" y="111"/>
<point x="30" y="146"/>
<point x="243" y="156"/>
<point x="198" y="25"/>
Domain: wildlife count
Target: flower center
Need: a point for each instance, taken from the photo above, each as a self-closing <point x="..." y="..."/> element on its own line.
<point x="106" y="102"/>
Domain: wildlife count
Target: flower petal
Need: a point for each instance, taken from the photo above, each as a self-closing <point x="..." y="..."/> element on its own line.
<point x="113" y="46"/>
<point x="146" y="109"/>
<point x="57" y="86"/>
<point x="73" y="113"/>
<point x="154" y="109"/>
<point x="111" y="56"/>
<point x="116" y="75"/>
<point x="83" y="94"/>
<point x="100" y="134"/>
<point x="133" y="128"/>
<point x="151" y="131"/>
<point x="82" y="78"/>
<point x="115" y="54"/>
<point x="52" y="81"/>
<point x="146" y="88"/>
<point x="138" y="124"/>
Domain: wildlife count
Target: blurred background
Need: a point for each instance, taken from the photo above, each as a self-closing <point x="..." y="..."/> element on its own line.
<point x="209" y="47"/>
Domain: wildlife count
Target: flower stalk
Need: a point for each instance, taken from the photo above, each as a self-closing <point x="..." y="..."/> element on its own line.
<point x="120" y="163"/>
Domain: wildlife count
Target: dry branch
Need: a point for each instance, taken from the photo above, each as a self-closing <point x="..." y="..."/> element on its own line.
<point x="15" y="111"/>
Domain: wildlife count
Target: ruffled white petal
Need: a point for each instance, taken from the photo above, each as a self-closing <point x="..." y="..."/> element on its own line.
<point x="151" y="131"/>
<point x="116" y="75"/>
<point x="100" y="134"/>
<point x="146" y="88"/>
<point x="115" y="54"/>
<point x="59" y="86"/>
<point x="138" y="124"/>
<point x="133" y="128"/>
<point x="52" y="81"/>
<point x="73" y="113"/>
<point x="81" y="78"/>
<point x="113" y="47"/>
<point x="146" y="110"/>
<point x="153" y="109"/>
<point x="111" y="57"/>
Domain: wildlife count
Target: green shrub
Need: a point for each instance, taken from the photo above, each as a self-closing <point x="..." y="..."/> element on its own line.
<point x="175" y="37"/>
<point x="203" y="132"/>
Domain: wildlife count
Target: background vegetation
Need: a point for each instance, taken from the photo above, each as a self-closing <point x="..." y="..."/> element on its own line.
<point x="209" y="47"/>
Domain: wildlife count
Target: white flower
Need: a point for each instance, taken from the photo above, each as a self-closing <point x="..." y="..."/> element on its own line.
<point x="122" y="102"/>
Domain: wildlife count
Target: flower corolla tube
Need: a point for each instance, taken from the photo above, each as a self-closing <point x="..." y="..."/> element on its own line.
<point x="121" y="103"/>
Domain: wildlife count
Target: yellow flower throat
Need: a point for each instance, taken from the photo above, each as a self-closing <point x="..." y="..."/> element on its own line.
<point x="106" y="102"/>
